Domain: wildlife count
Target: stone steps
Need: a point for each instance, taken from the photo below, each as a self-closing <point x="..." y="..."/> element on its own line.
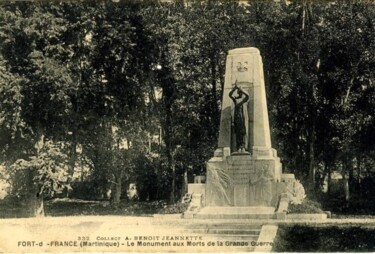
<point x="235" y="216"/>
<point x="231" y="237"/>
<point x="226" y="225"/>
<point x="234" y="237"/>
<point x="225" y="231"/>
<point x="246" y="212"/>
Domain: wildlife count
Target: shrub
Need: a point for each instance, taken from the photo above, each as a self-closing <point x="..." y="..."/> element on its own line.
<point x="175" y="208"/>
<point x="307" y="206"/>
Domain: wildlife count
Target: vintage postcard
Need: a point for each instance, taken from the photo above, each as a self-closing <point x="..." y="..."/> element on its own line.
<point x="187" y="126"/>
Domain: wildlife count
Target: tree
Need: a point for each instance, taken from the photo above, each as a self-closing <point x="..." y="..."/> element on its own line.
<point x="24" y="120"/>
<point x="41" y="175"/>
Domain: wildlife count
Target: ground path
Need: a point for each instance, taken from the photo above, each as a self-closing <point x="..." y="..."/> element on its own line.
<point x="122" y="233"/>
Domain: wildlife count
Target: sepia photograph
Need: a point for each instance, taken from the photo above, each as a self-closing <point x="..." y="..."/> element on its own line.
<point x="187" y="126"/>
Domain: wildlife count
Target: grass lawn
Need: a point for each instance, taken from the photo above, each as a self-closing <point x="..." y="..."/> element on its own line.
<point x="78" y="207"/>
<point x="71" y="207"/>
<point x="325" y="238"/>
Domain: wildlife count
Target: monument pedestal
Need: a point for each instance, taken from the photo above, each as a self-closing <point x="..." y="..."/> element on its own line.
<point x="242" y="180"/>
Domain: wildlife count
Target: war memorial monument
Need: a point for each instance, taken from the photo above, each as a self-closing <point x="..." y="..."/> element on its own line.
<point x="244" y="178"/>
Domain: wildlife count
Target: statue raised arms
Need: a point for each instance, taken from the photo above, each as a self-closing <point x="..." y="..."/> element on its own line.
<point x="239" y="128"/>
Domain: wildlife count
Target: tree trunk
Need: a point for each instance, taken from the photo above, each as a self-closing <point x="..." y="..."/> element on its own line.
<point x="116" y="190"/>
<point x="173" y="190"/>
<point x="34" y="202"/>
<point x="345" y="181"/>
<point x="327" y="174"/>
<point x="184" y="188"/>
<point x="213" y="78"/>
<point x="359" y="180"/>
<point x="73" y="156"/>
<point x="351" y="178"/>
<point x="117" y="196"/>
<point x="38" y="205"/>
<point x="169" y="149"/>
<point x="346" y="188"/>
<point x="82" y="170"/>
<point x="159" y="166"/>
<point x="72" y="161"/>
<point x="329" y="180"/>
<point x="312" y="159"/>
<point x="221" y="77"/>
<point x="35" y="194"/>
<point x="169" y="97"/>
<point x="303" y="17"/>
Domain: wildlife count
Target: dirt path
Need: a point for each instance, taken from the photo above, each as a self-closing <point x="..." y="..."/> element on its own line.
<point x="120" y="233"/>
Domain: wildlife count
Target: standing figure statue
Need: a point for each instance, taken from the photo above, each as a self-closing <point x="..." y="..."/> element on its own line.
<point x="239" y="120"/>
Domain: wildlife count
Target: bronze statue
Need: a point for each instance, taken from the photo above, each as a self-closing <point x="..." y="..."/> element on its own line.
<point x="239" y="120"/>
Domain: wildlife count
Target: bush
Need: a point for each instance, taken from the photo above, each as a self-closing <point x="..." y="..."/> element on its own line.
<point x="307" y="206"/>
<point x="175" y="208"/>
<point x="87" y="190"/>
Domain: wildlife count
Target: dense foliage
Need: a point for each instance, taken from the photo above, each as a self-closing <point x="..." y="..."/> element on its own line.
<point x="132" y="89"/>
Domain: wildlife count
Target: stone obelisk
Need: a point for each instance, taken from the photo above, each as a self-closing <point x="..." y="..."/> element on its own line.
<point x="245" y="66"/>
<point x="249" y="176"/>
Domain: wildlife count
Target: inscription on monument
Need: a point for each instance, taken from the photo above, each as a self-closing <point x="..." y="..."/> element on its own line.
<point x="241" y="177"/>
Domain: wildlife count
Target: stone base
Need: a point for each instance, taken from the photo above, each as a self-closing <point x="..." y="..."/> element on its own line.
<point x="242" y="180"/>
<point x="240" y="153"/>
<point x="307" y="216"/>
<point x="245" y="212"/>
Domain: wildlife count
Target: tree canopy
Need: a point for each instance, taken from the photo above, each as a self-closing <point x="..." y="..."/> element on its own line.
<point x="132" y="90"/>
